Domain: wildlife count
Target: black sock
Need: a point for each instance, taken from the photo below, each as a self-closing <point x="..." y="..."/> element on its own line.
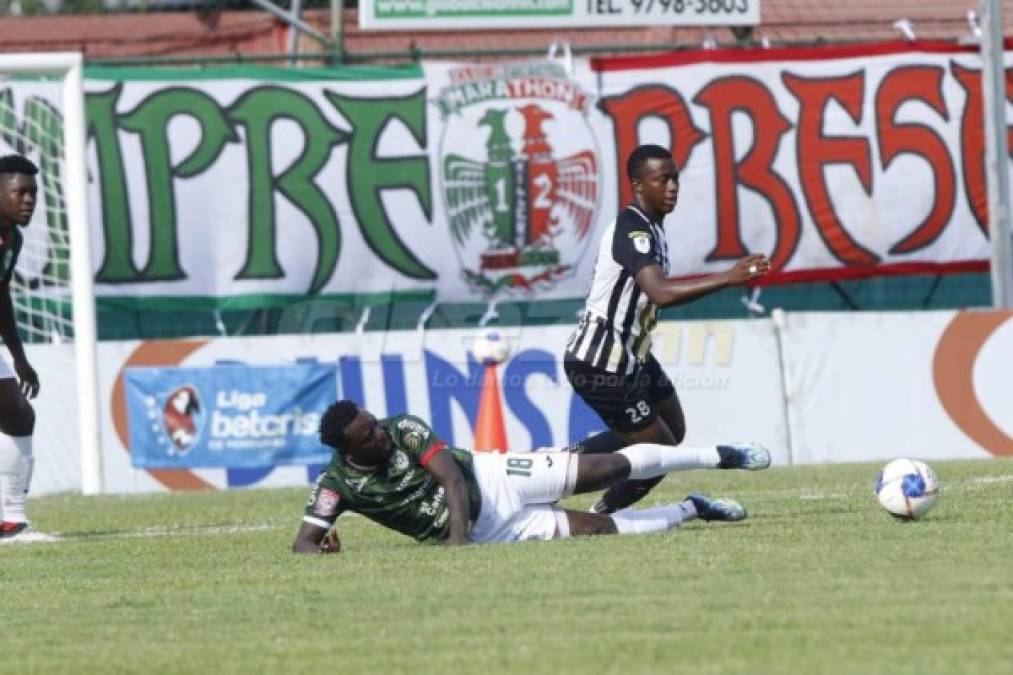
<point x="599" y="444"/>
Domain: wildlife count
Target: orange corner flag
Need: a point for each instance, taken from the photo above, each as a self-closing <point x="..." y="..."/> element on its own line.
<point x="490" y="432"/>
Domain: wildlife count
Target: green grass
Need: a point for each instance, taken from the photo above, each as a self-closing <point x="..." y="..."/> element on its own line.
<point x="818" y="580"/>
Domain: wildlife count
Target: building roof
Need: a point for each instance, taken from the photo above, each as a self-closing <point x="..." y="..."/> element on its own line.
<point x="193" y="34"/>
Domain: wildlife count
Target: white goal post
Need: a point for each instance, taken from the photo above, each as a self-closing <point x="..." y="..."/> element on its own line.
<point x="68" y="69"/>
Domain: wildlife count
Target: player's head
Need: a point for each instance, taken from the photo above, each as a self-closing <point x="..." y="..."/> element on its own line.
<point x="354" y="432"/>
<point x="655" y="178"/>
<point x="18" y="189"/>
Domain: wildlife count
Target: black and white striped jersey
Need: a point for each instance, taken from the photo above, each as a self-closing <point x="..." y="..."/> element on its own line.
<point x="614" y="333"/>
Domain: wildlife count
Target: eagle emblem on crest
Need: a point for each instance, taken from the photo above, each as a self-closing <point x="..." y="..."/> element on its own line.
<point x="520" y="216"/>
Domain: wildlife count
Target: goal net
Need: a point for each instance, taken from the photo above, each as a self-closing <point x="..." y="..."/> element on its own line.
<point x="42" y="117"/>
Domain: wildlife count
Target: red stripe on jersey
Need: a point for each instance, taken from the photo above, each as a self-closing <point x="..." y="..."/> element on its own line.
<point x="430" y="453"/>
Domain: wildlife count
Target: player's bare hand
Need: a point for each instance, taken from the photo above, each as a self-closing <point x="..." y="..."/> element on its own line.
<point x="749" y="268"/>
<point x="27" y="378"/>
<point x="331" y="543"/>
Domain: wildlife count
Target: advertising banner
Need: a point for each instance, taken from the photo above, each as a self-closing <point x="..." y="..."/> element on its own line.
<point x="486" y="14"/>
<point x="717" y="367"/>
<point x="814" y="388"/>
<point x="870" y="385"/>
<point x="258" y="187"/>
<point x="236" y="415"/>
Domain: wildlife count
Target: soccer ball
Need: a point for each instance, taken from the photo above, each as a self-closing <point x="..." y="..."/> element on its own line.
<point x="907" y="488"/>
<point x="491" y="347"/>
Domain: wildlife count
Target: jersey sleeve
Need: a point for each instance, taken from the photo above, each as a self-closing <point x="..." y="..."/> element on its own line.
<point x="14" y="249"/>
<point x="633" y="246"/>
<point x="324" y="504"/>
<point x="415" y="436"/>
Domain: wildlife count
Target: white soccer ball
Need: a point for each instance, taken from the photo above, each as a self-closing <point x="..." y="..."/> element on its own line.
<point x="491" y="346"/>
<point x="907" y="488"/>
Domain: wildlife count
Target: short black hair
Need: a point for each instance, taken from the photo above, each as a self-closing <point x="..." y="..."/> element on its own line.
<point x="17" y="164"/>
<point x="638" y="158"/>
<point x="334" y="420"/>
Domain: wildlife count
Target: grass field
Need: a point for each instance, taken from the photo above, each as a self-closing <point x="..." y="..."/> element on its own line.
<point x="818" y="580"/>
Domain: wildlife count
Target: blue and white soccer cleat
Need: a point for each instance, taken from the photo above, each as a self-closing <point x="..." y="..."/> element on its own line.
<point x="750" y="456"/>
<point x="723" y="508"/>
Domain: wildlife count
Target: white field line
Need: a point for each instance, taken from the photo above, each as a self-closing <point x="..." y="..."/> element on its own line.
<point x="185" y="531"/>
<point x="818" y="495"/>
<point x="1006" y="478"/>
<point x="152" y="532"/>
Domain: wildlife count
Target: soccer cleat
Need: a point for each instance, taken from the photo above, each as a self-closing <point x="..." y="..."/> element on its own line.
<point x="708" y="508"/>
<point x="23" y="533"/>
<point x="9" y="529"/>
<point x="749" y="456"/>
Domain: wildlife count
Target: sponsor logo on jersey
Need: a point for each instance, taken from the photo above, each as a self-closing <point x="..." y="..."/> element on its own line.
<point x="641" y="242"/>
<point x="399" y="462"/>
<point x="410" y="426"/>
<point x="412" y="440"/>
<point x="520" y="174"/>
<point x="327" y="503"/>
<point x="407" y="478"/>
<point x="357" y="484"/>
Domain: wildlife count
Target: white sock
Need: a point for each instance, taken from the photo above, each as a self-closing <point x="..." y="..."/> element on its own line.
<point x="657" y="519"/>
<point x="648" y="460"/>
<point x="16" y="465"/>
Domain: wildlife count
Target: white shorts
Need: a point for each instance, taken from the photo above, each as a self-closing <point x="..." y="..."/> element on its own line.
<point x="519" y="491"/>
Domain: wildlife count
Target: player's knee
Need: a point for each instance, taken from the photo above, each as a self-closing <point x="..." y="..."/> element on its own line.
<point x="659" y="433"/>
<point x="591" y="524"/>
<point x="678" y="430"/>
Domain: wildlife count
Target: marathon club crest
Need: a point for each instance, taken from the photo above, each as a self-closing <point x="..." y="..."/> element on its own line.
<point x="520" y="174"/>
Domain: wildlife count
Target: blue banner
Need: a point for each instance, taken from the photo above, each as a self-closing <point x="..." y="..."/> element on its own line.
<point x="235" y="415"/>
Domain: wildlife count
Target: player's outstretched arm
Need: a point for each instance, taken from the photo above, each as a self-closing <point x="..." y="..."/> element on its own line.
<point x="27" y="377"/>
<point x="666" y="292"/>
<point x="314" y="539"/>
<point x="448" y="474"/>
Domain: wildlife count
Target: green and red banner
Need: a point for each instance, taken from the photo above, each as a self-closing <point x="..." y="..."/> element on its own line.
<point x="248" y="187"/>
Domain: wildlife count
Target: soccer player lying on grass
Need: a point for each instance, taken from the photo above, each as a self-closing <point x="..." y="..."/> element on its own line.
<point x="397" y="473"/>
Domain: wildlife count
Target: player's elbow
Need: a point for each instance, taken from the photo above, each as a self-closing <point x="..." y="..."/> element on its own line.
<point x="302" y="545"/>
<point x="309" y="538"/>
<point x="657" y="295"/>
<point x="454" y="484"/>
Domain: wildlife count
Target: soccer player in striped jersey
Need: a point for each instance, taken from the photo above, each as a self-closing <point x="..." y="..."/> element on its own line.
<point x="18" y="190"/>
<point x="399" y="474"/>
<point x="608" y="358"/>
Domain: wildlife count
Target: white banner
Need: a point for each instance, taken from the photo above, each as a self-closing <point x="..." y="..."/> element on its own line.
<point x="486" y="14"/>
<point x="254" y="187"/>
<point x="931" y="385"/>
<point x="860" y="387"/>
<point x="835" y="163"/>
<point x="718" y="367"/>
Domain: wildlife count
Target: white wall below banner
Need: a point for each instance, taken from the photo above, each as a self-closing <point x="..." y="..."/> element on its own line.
<point x="56" y="448"/>
<point x="860" y="387"/>
<point x="931" y="385"/>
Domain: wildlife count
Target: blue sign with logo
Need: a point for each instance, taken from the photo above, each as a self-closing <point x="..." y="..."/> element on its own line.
<point x="235" y="415"/>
